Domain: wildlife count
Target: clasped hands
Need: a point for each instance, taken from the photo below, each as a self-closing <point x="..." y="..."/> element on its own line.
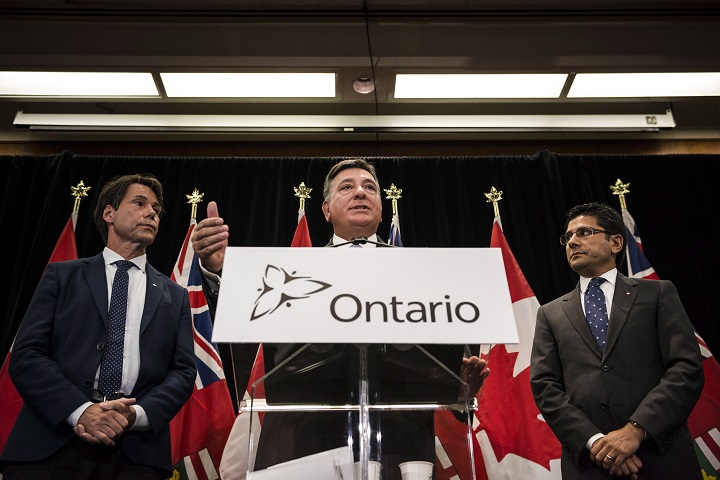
<point x="615" y="452"/>
<point x="105" y="422"/>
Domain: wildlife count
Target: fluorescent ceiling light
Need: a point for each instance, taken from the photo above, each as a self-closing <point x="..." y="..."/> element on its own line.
<point x="77" y="84"/>
<point x="638" y="85"/>
<point x="239" y="85"/>
<point x="479" y="86"/>
<point x="343" y="123"/>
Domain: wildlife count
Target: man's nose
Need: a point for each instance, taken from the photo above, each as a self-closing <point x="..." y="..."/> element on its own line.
<point x="360" y="192"/>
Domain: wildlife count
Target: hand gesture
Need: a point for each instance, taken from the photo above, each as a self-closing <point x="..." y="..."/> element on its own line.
<point x="474" y="372"/>
<point x="210" y="239"/>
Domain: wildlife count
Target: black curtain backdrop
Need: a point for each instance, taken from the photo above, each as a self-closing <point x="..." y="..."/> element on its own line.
<point x="673" y="199"/>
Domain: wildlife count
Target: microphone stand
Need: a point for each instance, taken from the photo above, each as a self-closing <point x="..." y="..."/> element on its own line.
<point x="363" y="241"/>
<point x="363" y="387"/>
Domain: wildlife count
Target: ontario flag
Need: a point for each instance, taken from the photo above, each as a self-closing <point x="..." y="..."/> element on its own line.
<point x="510" y="439"/>
<point x="704" y="420"/>
<point x="239" y="455"/>
<point x="10" y="400"/>
<point x="200" y="429"/>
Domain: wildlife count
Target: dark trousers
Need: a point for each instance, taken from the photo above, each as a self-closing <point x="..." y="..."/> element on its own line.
<point x="79" y="460"/>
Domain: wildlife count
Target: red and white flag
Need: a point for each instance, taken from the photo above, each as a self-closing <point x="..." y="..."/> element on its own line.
<point x="200" y="429"/>
<point x="510" y="438"/>
<point x="302" y="233"/>
<point x="237" y="458"/>
<point x="10" y="400"/>
<point x="704" y="420"/>
<point x="239" y="455"/>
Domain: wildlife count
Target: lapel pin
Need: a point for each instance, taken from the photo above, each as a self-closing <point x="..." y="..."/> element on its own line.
<point x="155" y="285"/>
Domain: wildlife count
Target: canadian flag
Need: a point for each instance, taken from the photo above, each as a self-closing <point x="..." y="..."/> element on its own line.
<point x="10" y="400"/>
<point x="510" y="438"/>
<point x="239" y="455"/>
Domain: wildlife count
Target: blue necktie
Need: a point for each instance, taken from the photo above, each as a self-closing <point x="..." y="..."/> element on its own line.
<point x="111" y="369"/>
<point x="596" y="311"/>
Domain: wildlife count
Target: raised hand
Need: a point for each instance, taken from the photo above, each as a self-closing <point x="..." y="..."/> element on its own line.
<point x="210" y="239"/>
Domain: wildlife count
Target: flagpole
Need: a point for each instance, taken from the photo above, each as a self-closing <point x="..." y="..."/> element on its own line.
<point x="393" y="193"/>
<point x="193" y="199"/>
<point x="303" y="193"/>
<point x="494" y="196"/>
<point x="620" y="189"/>
<point x="78" y="191"/>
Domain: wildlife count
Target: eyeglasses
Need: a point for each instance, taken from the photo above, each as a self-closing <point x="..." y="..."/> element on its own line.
<point x="582" y="232"/>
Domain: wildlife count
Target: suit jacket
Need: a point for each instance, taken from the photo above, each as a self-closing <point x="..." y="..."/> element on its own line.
<point x="650" y="371"/>
<point x="59" y="347"/>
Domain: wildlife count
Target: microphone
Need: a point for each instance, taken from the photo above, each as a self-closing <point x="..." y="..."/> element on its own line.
<point x="363" y="241"/>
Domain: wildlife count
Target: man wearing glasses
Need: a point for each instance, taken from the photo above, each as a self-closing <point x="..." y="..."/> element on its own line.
<point x="615" y="367"/>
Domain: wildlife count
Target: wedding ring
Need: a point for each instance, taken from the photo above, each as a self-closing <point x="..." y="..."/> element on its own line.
<point x="609" y="457"/>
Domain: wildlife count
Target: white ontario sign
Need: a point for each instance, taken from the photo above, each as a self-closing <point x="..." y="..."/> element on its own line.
<point x="364" y="295"/>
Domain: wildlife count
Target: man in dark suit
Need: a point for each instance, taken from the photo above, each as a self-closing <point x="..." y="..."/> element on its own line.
<point x="352" y="204"/>
<point x="617" y="397"/>
<point x="69" y="428"/>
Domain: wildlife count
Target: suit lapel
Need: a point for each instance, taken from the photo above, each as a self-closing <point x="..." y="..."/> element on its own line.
<point x="573" y="311"/>
<point x="153" y="295"/>
<point x="94" y="271"/>
<point x="625" y="293"/>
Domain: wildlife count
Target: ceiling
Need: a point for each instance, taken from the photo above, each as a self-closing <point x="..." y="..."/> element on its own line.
<point x="353" y="38"/>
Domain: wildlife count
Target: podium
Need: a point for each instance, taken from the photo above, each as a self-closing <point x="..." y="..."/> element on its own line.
<point x="356" y="371"/>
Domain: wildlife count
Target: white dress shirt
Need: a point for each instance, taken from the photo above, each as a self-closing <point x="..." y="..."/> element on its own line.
<point x="131" y="349"/>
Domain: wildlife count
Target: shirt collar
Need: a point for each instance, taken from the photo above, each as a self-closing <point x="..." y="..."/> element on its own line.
<point x="111" y="257"/>
<point x="337" y="240"/>
<point x="610" y="276"/>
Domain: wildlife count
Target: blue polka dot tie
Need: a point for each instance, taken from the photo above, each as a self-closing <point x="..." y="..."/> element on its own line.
<point x="111" y="369"/>
<point x="596" y="311"/>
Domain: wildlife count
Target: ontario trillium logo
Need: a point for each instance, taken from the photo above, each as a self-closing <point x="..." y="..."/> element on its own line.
<point x="281" y="288"/>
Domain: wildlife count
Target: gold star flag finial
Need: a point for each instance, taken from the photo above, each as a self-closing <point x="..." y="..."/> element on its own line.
<point x="620" y="189"/>
<point x="79" y="191"/>
<point x="303" y="193"/>
<point x="393" y="193"/>
<point x="494" y="196"/>
<point x="193" y="199"/>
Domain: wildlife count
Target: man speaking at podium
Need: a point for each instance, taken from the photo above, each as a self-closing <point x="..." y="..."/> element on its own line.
<point x="352" y="204"/>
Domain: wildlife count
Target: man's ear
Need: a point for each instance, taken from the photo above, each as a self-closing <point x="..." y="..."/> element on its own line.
<point x="617" y="243"/>
<point x="108" y="213"/>
<point x="326" y="210"/>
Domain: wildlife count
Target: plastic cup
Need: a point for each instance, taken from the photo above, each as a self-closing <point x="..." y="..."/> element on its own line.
<point x="373" y="470"/>
<point x="416" y="470"/>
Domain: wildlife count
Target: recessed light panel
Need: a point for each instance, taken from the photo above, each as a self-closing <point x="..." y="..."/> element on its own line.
<point x="640" y="85"/>
<point x="77" y="84"/>
<point x="256" y="85"/>
<point x="479" y="85"/>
